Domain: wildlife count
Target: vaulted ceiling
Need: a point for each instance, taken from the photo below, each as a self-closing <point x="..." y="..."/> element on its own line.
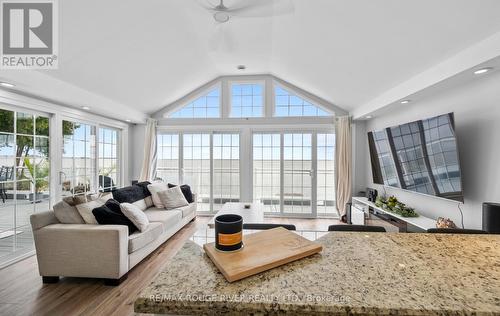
<point x="135" y="57"/>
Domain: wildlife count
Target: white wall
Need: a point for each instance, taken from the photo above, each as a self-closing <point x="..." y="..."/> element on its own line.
<point x="477" y="118"/>
<point x="360" y="169"/>
<point x="136" y="150"/>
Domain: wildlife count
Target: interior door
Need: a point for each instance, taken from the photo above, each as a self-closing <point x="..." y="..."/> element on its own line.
<point x="298" y="174"/>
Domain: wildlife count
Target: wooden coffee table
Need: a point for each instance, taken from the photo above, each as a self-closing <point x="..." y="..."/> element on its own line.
<point x="252" y="215"/>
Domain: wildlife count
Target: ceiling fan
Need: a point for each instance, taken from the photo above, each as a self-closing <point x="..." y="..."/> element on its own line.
<point x="247" y="9"/>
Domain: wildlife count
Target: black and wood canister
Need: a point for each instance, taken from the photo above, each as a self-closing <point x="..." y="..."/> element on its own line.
<point x="228" y="232"/>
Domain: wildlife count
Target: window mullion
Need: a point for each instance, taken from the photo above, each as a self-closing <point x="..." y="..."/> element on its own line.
<point x="211" y="172"/>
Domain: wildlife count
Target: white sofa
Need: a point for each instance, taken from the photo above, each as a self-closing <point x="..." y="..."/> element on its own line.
<point x="101" y="251"/>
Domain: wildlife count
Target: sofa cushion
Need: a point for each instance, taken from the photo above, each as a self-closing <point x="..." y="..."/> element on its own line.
<point x="172" y="198"/>
<point x="187" y="210"/>
<point x="168" y="218"/>
<point x="132" y="193"/>
<point x="186" y="190"/>
<point x="67" y="214"/>
<point x="140" y="239"/>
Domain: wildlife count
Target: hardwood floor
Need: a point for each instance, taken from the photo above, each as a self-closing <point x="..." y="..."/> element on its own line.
<point x="22" y="291"/>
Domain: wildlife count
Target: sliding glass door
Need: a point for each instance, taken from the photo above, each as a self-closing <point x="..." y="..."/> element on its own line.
<point x="108" y="160"/>
<point x="206" y="161"/>
<point x="293" y="173"/>
<point x="267" y="171"/>
<point x="78" y="159"/>
<point x="325" y="175"/>
<point x="226" y="169"/>
<point x="24" y="179"/>
<point x="297" y="174"/>
<point x="196" y="167"/>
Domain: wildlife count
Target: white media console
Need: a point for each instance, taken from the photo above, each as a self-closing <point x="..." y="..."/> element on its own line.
<point x="361" y="207"/>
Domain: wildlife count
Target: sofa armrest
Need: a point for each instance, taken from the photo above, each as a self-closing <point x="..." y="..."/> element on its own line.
<point x="82" y="250"/>
<point x="42" y="219"/>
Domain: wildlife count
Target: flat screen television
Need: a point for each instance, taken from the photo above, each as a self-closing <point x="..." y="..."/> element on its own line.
<point x="420" y="156"/>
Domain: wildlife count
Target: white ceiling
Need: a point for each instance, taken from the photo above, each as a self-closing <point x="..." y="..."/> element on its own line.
<point x="138" y="56"/>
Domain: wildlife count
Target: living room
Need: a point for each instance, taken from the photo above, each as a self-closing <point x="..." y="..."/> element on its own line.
<point x="239" y="157"/>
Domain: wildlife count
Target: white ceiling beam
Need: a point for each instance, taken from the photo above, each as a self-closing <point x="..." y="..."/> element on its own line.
<point x="477" y="54"/>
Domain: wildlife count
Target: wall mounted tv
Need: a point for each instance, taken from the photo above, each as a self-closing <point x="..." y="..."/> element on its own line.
<point x="420" y="156"/>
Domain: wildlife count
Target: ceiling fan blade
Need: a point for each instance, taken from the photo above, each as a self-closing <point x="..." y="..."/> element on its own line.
<point x="263" y="8"/>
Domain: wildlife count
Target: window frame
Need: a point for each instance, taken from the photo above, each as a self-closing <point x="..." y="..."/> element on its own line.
<point x="268" y="83"/>
<point x="119" y="174"/>
<point x="293" y="92"/>
<point x="184" y="102"/>
<point x="229" y="88"/>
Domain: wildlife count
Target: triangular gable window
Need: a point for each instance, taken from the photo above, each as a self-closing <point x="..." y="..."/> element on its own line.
<point x="207" y="106"/>
<point x="289" y="104"/>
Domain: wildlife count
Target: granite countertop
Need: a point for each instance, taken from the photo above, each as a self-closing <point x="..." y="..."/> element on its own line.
<point x="355" y="274"/>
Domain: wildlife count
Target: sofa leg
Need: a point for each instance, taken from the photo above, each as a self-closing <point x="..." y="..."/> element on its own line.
<point x="115" y="282"/>
<point x="50" y="279"/>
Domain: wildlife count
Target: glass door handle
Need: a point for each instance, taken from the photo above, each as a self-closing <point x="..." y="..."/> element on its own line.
<point x="311" y="173"/>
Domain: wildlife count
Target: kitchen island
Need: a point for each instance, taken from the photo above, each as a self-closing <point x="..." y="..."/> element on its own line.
<point x="355" y="274"/>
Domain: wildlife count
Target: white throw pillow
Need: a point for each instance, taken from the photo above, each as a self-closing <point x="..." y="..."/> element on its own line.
<point x="173" y="198"/>
<point x="154" y="188"/>
<point x="85" y="209"/>
<point x="135" y="215"/>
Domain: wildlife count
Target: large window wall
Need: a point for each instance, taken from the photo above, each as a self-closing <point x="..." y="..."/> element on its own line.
<point x="271" y="143"/>
<point x="43" y="158"/>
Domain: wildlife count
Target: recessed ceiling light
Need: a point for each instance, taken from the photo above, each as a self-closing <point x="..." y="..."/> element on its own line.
<point x="241" y="67"/>
<point x="368" y="116"/>
<point x="8" y="85"/>
<point x="482" y="70"/>
<point x="405" y="101"/>
<point x="86" y="108"/>
<point x="128" y="121"/>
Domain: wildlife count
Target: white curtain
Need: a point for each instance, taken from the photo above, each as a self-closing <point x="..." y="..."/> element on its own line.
<point x="343" y="162"/>
<point x="149" y="161"/>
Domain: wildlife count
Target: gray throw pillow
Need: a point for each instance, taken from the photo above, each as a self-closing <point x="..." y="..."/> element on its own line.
<point x="86" y="209"/>
<point x="67" y="214"/>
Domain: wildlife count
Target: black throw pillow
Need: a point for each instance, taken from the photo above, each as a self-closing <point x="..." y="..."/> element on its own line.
<point x="114" y="206"/>
<point x="105" y="215"/>
<point x="186" y="190"/>
<point x="131" y="193"/>
<point x="144" y="186"/>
